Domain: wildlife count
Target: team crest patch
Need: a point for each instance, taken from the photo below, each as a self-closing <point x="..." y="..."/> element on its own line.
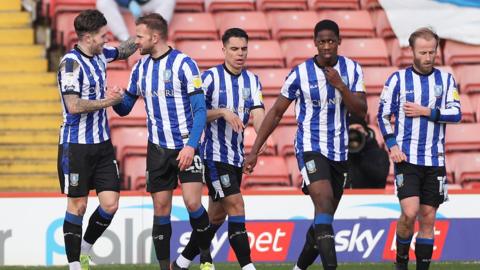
<point x="167" y="75"/>
<point x="311" y="168"/>
<point x="246" y="93"/>
<point x="345" y="80"/>
<point x="225" y="180"/>
<point x="399" y="180"/>
<point x="73" y="179"/>
<point x="438" y="89"/>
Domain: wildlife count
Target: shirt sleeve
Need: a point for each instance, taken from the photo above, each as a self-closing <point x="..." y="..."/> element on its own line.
<point x="110" y="53"/>
<point x="452" y="112"/>
<point x="257" y="95"/>
<point x="291" y="86"/>
<point x="358" y="85"/>
<point x="70" y="76"/>
<point x="208" y="87"/>
<point x="389" y="102"/>
<point x="133" y="87"/>
<point x="192" y="77"/>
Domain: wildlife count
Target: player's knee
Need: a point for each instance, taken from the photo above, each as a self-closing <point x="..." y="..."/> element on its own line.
<point x="110" y="208"/>
<point x="78" y="208"/>
<point x="408" y="217"/>
<point x="217" y="218"/>
<point x="192" y="204"/>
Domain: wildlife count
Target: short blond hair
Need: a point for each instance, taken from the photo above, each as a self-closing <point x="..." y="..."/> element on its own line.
<point x="425" y="33"/>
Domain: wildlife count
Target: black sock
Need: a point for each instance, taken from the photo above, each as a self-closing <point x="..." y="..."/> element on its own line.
<point x="310" y="251"/>
<point x="325" y="241"/>
<point x="423" y="252"/>
<point x="403" y="247"/>
<point x="200" y="224"/>
<point x="161" y="234"/>
<point x="191" y="249"/>
<point x="238" y="238"/>
<point x="97" y="224"/>
<point x="72" y="235"/>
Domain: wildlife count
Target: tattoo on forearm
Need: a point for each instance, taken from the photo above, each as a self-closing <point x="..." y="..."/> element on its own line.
<point x="126" y="48"/>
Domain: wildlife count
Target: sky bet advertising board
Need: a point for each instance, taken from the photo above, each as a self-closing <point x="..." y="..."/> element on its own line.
<point x="31" y="230"/>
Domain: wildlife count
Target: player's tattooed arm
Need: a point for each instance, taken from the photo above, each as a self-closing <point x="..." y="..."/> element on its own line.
<point x="76" y="105"/>
<point x="126" y="48"/>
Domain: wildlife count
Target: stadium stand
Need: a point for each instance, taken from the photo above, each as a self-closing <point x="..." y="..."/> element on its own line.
<point x="284" y="137"/>
<point x="352" y="23"/>
<point x="134" y="173"/>
<point x="267" y="5"/>
<point x="249" y="135"/>
<point x="460" y="53"/>
<point x="129" y="141"/>
<point x="254" y="22"/>
<point x="205" y="52"/>
<point x="366" y="51"/>
<point x="189" y="5"/>
<point x="229" y="5"/>
<point x="263" y="175"/>
<point x="30" y="108"/>
<point x="375" y="77"/>
<point x="296" y="51"/>
<point x="271" y="79"/>
<point x="462" y="137"/>
<point x="264" y="53"/>
<point x="190" y="26"/>
<point x="333" y="4"/>
<point x="292" y="24"/>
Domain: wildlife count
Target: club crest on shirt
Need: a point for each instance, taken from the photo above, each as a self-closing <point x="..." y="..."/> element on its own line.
<point x="73" y="179"/>
<point x="345" y="80"/>
<point x="167" y="75"/>
<point x="438" y="90"/>
<point x="246" y="93"/>
<point x="311" y="168"/>
<point x="225" y="180"/>
<point x="399" y="180"/>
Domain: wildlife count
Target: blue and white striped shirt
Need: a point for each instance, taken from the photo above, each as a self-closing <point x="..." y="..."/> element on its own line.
<point x="239" y="94"/>
<point x="166" y="83"/>
<point x="320" y="112"/>
<point x="422" y="139"/>
<point x="84" y="76"/>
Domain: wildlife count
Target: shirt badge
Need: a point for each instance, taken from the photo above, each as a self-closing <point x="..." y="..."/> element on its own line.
<point x="399" y="180"/>
<point x="246" y="93"/>
<point x="311" y="168"/>
<point x="73" y="179"/>
<point x="167" y="75"/>
<point x="225" y="180"/>
<point x="438" y="89"/>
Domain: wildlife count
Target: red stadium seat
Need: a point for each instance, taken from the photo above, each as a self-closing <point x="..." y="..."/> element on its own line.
<point x="264" y="53"/>
<point x="461" y="53"/>
<point x="135" y="173"/>
<point x="129" y="141"/>
<point x="368" y="51"/>
<point x="271" y="79"/>
<point x="264" y="175"/>
<point x="136" y="118"/>
<point x="372" y="103"/>
<point x="467" y="77"/>
<point x="403" y="56"/>
<point x="189" y="5"/>
<point x="466" y="167"/>
<point x="370" y="4"/>
<point x="462" y="137"/>
<point x="118" y="77"/>
<point x="289" y="115"/>
<point x="333" y="4"/>
<point x="224" y="5"/>
<point x="192" y="26"/>
<point x="292" y="24"/>
<point x="375" y="78"/>
<point x="206" y="53"/>
<point x="352" y="23"/>
<point x="65" y="32"/>
<point x="249" y="138"/>
<point x="468" y="111"/>
<point x="382" y="24"/>
<point x="255" y="23"/>
<point x="265" y="5"/>
<point x="297" y="51"/>
<point x="59" y="6"/>
<point x="292" y="164"/>
<point x="284" y="137"/>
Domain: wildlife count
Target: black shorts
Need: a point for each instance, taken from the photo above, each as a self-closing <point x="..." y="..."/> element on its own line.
<point x="429" y="183"/>
<point x="222" y="179"/>
<point x="163" y="172"/>
<point x="82" y="167"/>
<point x="314" y="167"/>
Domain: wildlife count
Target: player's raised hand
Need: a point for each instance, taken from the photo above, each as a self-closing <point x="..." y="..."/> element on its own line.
<point x="250" y="163"/>
<point x="333" y="77"/>
<point x="233" y="120"/>
<point x="397" y="155"/>
<point x="415" y="110"/>
<point x="185" y="157"/>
